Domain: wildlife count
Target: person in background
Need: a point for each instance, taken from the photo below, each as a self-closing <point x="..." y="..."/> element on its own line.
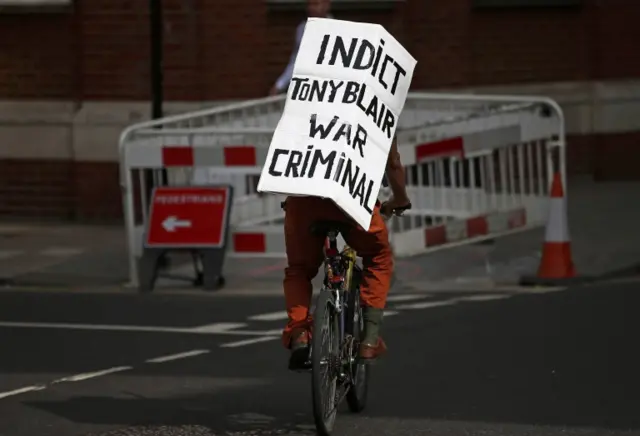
<point x="315" y="8"/>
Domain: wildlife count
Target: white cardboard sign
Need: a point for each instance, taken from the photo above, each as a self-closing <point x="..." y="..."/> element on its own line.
<point x="349" y="85"/>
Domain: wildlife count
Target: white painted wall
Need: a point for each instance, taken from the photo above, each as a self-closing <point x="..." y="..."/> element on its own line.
<point x="55" y="130"/>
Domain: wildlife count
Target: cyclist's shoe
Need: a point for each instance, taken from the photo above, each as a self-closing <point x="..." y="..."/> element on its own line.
<point x="369" y="353"/>
<point x="299" y="345"/>
<point x="372" y="346"/>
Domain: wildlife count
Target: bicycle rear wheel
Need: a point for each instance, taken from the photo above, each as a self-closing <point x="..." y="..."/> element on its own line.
<point x="325" y="358"/>
<point x="357" y="394"/>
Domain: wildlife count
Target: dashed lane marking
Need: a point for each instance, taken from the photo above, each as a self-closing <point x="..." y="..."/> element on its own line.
<point x="21" y="391"/>
<point x="61" y="251"/>
<point x="217" y="327"/>
<point x="406" y="297"/>
<point x="484" y="297"/>
<point x="282" y="314"/>
<point x="249" y="341"/>
<point x="273" y="316"/>
<point x="88" y="375"/>
<point x="177" y="356"/>
<point x="210" y="329"/>
<point x="71" y="378"/>
<point x="425" y="305"/>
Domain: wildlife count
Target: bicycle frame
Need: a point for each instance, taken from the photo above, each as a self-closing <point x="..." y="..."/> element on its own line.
<point x="338" y="275"/>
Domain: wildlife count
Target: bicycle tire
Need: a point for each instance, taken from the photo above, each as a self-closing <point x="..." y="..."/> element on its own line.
<point x="324" y="312"/>
<point x="358" y="392"/>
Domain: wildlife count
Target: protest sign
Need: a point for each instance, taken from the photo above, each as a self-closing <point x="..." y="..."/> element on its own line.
<point x="349" y="85"/>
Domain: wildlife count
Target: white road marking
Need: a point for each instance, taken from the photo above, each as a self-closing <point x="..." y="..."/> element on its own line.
<point x="426" y="304"/>
<point x="217" y="327"/>
<point x="21" y="391"/>
<point x="88" y="375"/>
<point x="484" y="297"/>
<point x="177" y="356"/>
<point x="71" y="378"/>
<point x="390" y="313"/>
<point x="407" y="297"/>
<point x="273" y="332"/>
<point x="126" y="328"/>
<point x="62" y="251"/>
<point x="249" y="341"/>
<point x="210" y="329"/>
<point x="273" y="316"/>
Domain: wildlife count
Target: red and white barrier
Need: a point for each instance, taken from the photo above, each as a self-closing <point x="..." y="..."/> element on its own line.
<point x="477" y="167"/>
<point x="263" y="242"/>
<point x="156" y="154"/>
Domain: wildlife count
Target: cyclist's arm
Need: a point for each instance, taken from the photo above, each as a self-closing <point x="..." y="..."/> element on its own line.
<point x="284" y="79"/>
<point x="395" y="176"/>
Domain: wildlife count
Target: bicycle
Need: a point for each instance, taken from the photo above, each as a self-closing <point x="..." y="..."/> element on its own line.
<point x="339" y="313"/>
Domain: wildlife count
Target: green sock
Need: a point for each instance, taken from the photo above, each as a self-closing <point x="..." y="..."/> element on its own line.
<point x="372" y="321"/>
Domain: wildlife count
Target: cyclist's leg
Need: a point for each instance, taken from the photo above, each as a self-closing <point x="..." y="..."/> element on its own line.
<point x="374" y="248"/>
<point x="304" y="257"/>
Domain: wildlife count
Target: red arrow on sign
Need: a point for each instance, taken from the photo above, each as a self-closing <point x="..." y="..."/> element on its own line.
<point x="172" y="223"/>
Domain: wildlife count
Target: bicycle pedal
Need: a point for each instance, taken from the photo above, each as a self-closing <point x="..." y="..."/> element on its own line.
<point x="305" y="367"/>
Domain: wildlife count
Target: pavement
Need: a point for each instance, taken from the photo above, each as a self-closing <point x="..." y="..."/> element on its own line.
<point x="518" y="362"/>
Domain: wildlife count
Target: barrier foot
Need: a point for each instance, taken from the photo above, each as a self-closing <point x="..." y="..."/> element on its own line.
<point x="199" y="281"/>
<point x="148" y="270"/>
<point x="212" y="278"/>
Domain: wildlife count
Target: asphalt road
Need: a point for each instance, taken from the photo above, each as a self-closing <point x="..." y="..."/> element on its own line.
<point x="557" y="363"/>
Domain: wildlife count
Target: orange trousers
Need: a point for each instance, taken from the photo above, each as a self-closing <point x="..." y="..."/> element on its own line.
<point x="305" y="255"/>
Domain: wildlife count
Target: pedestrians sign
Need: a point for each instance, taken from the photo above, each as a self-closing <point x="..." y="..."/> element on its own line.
<point x="188" y="217"/>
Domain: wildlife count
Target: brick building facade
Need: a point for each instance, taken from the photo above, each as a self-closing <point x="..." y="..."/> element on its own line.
<point x="55" y="66"/>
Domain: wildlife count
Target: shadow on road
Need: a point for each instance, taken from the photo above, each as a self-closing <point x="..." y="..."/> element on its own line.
<point x="564" y="359"/>
<point x="202" y="414"/>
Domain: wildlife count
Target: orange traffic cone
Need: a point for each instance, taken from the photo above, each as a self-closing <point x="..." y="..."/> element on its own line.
<point x="556" y="260"/>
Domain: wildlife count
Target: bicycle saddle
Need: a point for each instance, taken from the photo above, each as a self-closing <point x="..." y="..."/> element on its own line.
<point x="322" y="227"/>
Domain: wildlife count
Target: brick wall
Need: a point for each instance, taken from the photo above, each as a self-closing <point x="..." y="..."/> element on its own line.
<point x="228" y="49"/>
<point x="234" y="49"/>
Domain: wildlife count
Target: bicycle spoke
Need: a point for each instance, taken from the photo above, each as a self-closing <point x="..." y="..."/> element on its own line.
<point x="338" y="400"/>
<point x="328" y="378"/>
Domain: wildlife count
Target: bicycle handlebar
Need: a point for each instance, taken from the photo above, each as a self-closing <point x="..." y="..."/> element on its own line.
<point x="397" y="211"/>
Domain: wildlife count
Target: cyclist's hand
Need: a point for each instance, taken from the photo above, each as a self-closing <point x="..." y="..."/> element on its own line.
<point x="273" y="91"/>
<point x="387" y="208"/>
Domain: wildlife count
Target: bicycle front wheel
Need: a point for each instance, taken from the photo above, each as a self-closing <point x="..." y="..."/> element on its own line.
<point x="325" y="358"/>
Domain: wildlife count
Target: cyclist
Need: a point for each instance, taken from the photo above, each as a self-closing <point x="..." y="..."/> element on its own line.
<point x="315" y="8"/>
<point x="305" y="255"/>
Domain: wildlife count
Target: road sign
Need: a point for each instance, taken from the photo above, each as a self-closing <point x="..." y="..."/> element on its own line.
<point x="188" y="217"/>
